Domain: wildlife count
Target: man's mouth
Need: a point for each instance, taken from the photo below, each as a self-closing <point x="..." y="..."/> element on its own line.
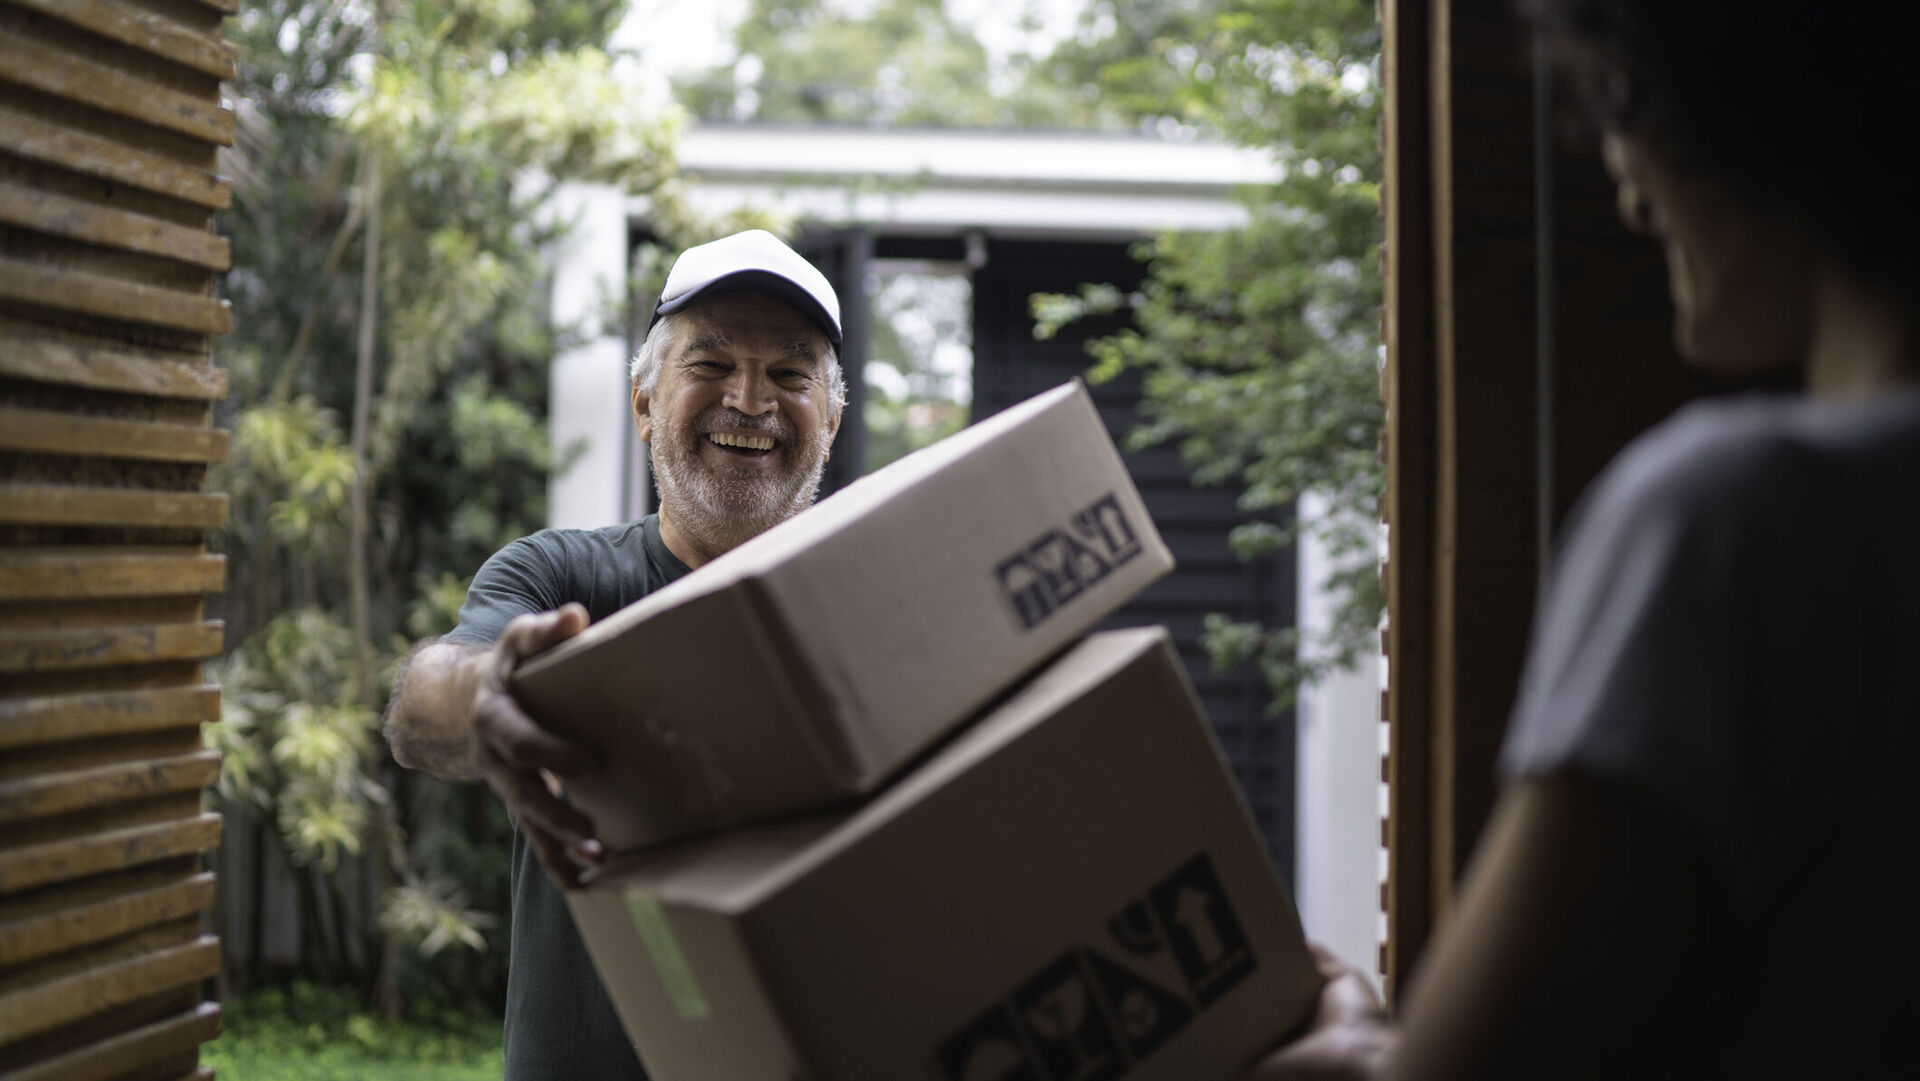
<point x="747" y="445"/>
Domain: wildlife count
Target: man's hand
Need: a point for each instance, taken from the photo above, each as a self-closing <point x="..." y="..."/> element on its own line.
<point x="518" y="757"/>
<point x="1349" y="1040"/>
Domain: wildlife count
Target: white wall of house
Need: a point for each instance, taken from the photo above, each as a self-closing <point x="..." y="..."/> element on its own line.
<point x="1002" y="182"/>
<point x="590" y="404"/>
<point x="1337" y="800"/>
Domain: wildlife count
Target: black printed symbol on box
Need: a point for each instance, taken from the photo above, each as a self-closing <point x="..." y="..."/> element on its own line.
<point x="1070" y="1033"/>
<point x="1023" y="589"/>
<point x="1104" y="519"/>
<point x="1205" y="934"/>
<point x="1134" y="929"/>
<point x="1061" y="564"/>
<point x="1088" y="1015"/>
<point x="1146" y="1013"/>
<point x="987" y="1050"/>
<point x="1067" y="566"/>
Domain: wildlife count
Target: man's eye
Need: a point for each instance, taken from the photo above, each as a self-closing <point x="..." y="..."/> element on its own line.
<point x="792" y="376"/>
<point x="709" y="365"/>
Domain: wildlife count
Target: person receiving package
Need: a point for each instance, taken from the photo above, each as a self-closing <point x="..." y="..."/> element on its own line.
<point x="737" y="391"/>
<point x="1694" y="868"/>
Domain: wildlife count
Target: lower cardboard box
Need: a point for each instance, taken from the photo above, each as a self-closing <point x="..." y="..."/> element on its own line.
<point x="1072" y="888"/>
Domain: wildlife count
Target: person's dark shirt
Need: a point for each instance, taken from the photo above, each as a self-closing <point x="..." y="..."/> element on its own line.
<point x="559" y="1020"/>
<point x="1730" y="635"/>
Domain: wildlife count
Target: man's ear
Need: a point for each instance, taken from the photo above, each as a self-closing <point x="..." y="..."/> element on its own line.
<point x="642" y="414"/>
<point x="833" y="429"/>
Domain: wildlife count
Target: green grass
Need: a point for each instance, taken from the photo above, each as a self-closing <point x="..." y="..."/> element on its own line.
<point x="310" y="1033"/>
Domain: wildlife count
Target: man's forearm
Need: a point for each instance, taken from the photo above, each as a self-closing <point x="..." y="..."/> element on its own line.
<point x="430" y="721"/>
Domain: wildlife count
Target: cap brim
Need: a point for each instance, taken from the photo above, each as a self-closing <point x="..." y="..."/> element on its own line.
<point x="757" y="281"/>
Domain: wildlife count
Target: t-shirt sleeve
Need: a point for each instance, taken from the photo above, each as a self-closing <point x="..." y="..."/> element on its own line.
<point x="1643" y="646"/>
<point x="517" y="579"/>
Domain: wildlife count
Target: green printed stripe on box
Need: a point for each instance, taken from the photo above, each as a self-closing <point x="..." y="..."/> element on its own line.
<point x="669" y="961"/>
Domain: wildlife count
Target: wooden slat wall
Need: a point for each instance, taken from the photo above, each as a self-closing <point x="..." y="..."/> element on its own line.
<point x="110" y="119"/>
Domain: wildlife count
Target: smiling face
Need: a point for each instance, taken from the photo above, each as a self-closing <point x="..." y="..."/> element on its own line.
<point x="738" y="423"/>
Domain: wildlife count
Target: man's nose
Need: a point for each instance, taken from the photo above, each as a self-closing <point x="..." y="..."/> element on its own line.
<point x="749" y="391"/>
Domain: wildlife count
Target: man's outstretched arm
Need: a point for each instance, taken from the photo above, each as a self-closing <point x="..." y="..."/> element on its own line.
<point x="453" y="717"/>
<point x="429" y="723"/>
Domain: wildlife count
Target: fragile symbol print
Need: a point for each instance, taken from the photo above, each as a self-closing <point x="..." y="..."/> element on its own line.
<point x="1092" y="1014"/>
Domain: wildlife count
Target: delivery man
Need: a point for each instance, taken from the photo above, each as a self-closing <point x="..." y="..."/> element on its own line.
<point x="737" y="391"/>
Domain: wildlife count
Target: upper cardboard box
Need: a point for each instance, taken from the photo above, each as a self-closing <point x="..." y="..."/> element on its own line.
<point x="812" y="662"/>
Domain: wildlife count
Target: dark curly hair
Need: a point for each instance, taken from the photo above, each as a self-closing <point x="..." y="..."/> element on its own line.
<point x="1800" y="106"/>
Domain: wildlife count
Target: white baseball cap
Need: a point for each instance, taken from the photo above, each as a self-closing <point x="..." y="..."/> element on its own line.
<point x="754" y="261"/>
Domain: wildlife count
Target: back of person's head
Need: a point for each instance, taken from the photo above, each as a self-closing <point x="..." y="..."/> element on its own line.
<point x="1799" y="107"/>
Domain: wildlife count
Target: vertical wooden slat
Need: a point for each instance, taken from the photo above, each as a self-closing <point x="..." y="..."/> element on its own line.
<point x="1485" y="572"/>
<point x="104" y="368"/>
<point x="1461" y="377"/>
<point x="1408" y="386"/>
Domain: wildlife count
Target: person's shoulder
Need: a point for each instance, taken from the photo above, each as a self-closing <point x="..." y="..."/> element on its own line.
<point x="1718" y="457"/>
<point x="572" y="542"/>
<point x="582" y="564"/>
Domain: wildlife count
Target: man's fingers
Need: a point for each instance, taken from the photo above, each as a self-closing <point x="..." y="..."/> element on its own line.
<point x="539" y="631"/>
<point x="553" y="856"/>
<point x="526" y="795"/>
<point x="1347" y="993"/>
<point x="512" y="748"/>
<point x="1349" y="997"/>
<point x="1348" y="1051"/>
<point x="505" y="731"/>
<point x="1347" y="1038"/>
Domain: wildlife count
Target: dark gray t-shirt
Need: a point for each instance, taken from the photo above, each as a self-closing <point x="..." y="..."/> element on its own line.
<point x="1733" y="629"/>
<point x="560" y="1022"/>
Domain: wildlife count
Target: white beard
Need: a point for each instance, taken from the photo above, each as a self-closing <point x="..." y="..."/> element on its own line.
<point x="720" y="509"/>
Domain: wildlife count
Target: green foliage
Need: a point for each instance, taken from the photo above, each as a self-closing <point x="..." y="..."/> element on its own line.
<point x="436" y="605"/>
<point x="449" y="125"/>
<point x="313" y="1033"/>
<point x="1259" y="347"/>
<point x="435" y="913"/>
<point x="1132" y="60"/>
<point x="295" y="739"/>
<point x="894" y="63"/>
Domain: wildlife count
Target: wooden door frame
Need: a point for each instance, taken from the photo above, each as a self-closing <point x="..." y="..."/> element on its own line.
<point x="1493" y="430"/>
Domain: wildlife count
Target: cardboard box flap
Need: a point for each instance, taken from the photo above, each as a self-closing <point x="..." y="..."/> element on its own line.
<point x="727" y="873"/>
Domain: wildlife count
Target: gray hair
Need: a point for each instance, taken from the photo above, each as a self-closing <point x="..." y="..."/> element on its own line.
<point x="644" y="371"/>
